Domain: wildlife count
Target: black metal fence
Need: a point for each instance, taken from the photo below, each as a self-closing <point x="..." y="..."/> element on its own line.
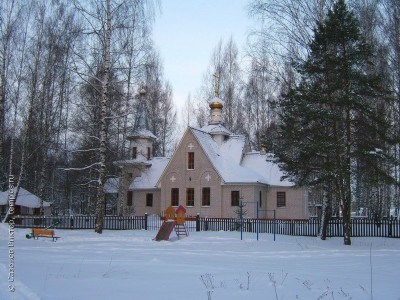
<point x="360" y="227"/>
<point x="310" y="227"/>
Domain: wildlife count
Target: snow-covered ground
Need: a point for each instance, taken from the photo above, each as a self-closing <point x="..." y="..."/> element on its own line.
<point x="205" y="265"/>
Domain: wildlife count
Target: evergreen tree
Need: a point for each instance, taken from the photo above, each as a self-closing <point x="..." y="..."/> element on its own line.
<point x="322" y="118"/>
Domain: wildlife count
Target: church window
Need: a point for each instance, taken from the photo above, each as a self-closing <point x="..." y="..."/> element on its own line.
<point x="129" y="199"/>
<point x="206" y="197"/>
<point x="175" y="197"/>
<point x="190" y="160"/>
<point x="280" y="199"/>
<point x="260" y="199"/>
<point x="190" y="197"/>
<point x="149" y="200"/>
<point x="235" y="196"/>
<point x="134" y="152"/>
<point x="148" y="153"/>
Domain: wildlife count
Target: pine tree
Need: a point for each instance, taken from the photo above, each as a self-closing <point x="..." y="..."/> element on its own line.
<point x="322" y="117"/>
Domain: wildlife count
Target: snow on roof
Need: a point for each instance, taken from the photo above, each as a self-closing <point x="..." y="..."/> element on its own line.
<point x="216" y="129"/>
<point x="227" y="158"/>
<point x="142" y="133"/>
<point x="151" y="175"/>
<point x="25" y="198"/>
<point x="264" y="165"/>
<point x="111" y="186"/>
<point x="236" y="167"/>
<point x="130" y="162"/>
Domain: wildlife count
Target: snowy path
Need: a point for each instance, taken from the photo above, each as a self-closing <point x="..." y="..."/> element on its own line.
<point x="129" y="265"/>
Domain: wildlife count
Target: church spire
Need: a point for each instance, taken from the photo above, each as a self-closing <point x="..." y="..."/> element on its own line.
<point x="142" y="119"/>
<point x="142" y="139"/>
<point x="141" y="129"/>
<point x="216" y="104"/>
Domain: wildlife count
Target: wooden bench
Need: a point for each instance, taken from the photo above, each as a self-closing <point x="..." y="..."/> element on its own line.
<point x="47" y="233"/>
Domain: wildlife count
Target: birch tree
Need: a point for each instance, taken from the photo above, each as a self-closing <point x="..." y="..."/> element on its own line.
<point x="161" y="110"/>
<point x="287" y="25"/>
<point x="10" y="13"/>
<point x="260" y="97"/>
<point x="105" y="20"/>
<point x="391" y="32"/>
<point x="224" y="69"/>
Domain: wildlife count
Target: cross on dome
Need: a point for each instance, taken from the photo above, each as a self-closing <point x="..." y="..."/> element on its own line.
<point x="216" y="84"/>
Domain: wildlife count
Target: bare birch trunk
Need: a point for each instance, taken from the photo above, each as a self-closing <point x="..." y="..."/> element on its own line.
<point x="326" y="212"/>
<point x="2" y="105"/>
<point x="42" y="186"/>
<point x="103" y="126"/>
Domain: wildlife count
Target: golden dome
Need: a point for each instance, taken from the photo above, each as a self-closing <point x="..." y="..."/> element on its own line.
<point x="216" y="104"/>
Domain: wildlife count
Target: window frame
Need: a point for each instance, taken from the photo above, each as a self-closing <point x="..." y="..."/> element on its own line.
<point x="190" y="161"/>
<point x="235" y="198"/>
<point x="206" y="196"/>
<point x="189" y="197"/>
<point x="134" y="152"/>
<point x="129" y="198"/>
<point x="173" y="195"/>
<point x="148" y="153"/>
<point x="149" y="199"/>
<point x="280" y="199"/>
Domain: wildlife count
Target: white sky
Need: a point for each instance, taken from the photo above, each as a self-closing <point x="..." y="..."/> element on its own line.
<point x="186" y="33"/>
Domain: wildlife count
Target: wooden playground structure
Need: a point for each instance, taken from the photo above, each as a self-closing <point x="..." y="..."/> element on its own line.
<point x="174" y="219"/>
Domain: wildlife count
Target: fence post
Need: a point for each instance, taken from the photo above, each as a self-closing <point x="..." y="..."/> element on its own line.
<point x="145" y="221"/>
<point x="71" y="221"/>
<point x="249" y="226"/>
<point x="292" y="227"/>
<point x="198" y="222"/>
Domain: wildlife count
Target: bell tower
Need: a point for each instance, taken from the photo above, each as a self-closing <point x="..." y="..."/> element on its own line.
<point x="141" y="139"/>
<point x="141" y="142"/>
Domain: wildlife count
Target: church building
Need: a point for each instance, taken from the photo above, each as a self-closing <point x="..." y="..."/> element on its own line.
<point x="210" y="173"/>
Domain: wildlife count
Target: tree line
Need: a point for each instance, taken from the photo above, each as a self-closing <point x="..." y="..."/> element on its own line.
<point x="69" y="78"/>
<point x="318" y="88"/>
<point x="321" y="92"/>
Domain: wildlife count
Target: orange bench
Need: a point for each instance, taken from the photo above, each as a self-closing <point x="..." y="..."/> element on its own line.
<point x="47" y="233"/>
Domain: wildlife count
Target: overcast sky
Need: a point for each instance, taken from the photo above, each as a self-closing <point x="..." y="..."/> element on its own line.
<point x="186" y="33"/>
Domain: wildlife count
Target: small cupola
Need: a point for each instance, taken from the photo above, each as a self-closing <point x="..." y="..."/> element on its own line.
<point x="141" y="139"/>
<point x="215" y="125"/>
<point x="216" y="105"/>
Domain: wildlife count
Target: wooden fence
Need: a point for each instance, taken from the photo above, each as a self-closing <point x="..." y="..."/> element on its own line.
<point x="80" y="222"/>
<point x="360" y="227"/>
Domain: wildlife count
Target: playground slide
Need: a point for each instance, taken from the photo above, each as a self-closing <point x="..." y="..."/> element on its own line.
<point x="165" y="231"/>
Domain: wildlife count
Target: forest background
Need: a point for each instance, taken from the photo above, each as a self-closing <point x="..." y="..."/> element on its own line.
<point x="71" y="71"/>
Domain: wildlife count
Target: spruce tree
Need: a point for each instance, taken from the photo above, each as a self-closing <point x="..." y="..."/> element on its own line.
<point x="322" y="117"/>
